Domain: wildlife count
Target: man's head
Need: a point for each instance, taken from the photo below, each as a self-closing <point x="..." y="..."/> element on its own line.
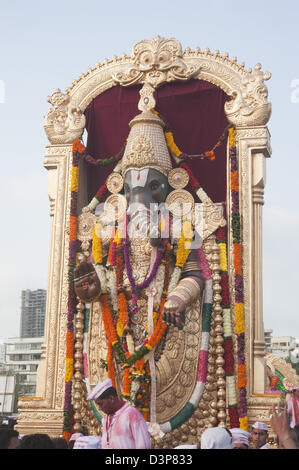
<point x="259" y="434"/>
<point x="9" y="439"/>
<point x="240" y="438"/>
<point x="108" y="402"/>
<point x="105" y="396"/>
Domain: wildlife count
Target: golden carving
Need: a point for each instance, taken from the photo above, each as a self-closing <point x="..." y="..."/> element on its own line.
<point x="115" y="207"/>
<point x="147" y="101"/>
<point x="86" y="222"/>
<point x="277" y="363"/>
<point x="207" y="218"/>
<point x="249" y="105"/>
<point x="156" y="62"/>
<point x="114" y="182"/>
<point x="64" y="122"/>
<point x="178" y="178"/>
<point x="180" y="202"/>
<point x="146" y="146"/>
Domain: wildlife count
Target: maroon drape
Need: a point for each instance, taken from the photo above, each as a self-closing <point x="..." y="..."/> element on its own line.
<point x="194" y="111"/>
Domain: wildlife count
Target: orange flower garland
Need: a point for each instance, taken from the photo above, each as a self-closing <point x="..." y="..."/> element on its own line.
<point x="78" y="146"/>
<point x="73" y="228"/>
<point x="238" y="258"/>
<point x="242" y="377"/>
<point x="110" y="364"/>
<point x="107" y="319"/>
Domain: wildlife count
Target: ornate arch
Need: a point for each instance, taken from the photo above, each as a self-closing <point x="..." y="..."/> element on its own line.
<point x="154" y="63"/>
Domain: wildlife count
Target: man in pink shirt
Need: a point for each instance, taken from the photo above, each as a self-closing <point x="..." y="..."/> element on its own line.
<point x="123" y="426"/>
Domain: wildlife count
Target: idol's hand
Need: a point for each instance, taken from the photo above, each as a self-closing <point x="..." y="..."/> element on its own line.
<point x="86" y="282"/>
<point x="174" y="312"/>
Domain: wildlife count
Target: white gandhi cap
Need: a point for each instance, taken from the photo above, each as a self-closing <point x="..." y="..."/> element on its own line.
<point x="260" y="425"/>
<point x="99" y="389"/>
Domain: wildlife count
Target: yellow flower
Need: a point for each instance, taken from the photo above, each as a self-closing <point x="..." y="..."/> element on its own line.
<point x="184" y="244"/>
<point x="223" y="257"/>
<point x="119" y="327"/>
<point x="244" y="423"/>
<point x="239" y="314"/>
<point x="69" y="365"/>
<point x="232" y="137"/>
<point x="117" y="238"/>
<point x="97" y="251"/>
<point x="171" y="144"/>
<point x="75" y="179"/>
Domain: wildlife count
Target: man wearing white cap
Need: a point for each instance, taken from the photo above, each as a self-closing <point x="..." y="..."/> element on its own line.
<point x="123" y="426"/>
<point x="216" y="438"/>
<point x="240" y="438"/>
<point x="259" y="435"/>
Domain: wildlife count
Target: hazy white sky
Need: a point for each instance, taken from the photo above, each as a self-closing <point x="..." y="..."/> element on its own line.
<point x="46" y="45"/>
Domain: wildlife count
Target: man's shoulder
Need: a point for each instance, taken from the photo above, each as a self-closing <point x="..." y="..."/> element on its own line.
<point x="131" y="410"/>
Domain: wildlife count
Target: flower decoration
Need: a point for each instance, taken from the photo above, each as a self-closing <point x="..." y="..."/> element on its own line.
<point x="238" y="279"/>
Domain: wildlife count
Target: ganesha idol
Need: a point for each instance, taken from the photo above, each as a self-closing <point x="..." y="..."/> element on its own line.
<point x="148" y="286"/>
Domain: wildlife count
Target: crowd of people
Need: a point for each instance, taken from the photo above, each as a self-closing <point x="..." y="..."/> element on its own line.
<point x="124" y="427"/>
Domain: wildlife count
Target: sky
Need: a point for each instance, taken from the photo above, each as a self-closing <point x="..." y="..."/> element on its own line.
<point x="46" y="45"/>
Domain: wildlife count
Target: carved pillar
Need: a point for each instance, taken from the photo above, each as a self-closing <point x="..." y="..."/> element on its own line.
<point x="45" y="412"/>
<point x="258" y="184"/>
<point x="253" y="146"/>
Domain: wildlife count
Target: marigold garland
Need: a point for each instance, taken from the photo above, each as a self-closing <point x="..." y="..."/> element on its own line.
<point x="72" y="301"/>
<point x="238" y="258"/>
<point x="75" y="179"/>
<point x="178" y="154"/>
<point x="97" y="251"/>
<point x="171" y="144"/>
<point x="73" y="228"/>
<point x="238" y="279"/>
<point x="229" y="361"/>
<point x="80" y="148"/>
<point x="239" y="317"/>
<point x="184" y="244"/>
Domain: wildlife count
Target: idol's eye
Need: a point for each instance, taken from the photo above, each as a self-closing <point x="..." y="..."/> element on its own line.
<point x="154" y="185"/>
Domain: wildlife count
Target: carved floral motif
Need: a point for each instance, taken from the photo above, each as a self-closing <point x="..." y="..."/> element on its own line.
<point x="156" y="61"/>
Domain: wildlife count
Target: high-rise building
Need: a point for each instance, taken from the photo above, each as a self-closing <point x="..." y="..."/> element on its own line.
<point x="23" y="356"/>
<point x="33" y="309"/>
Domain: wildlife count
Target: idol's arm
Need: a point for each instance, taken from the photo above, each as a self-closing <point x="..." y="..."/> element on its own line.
<point x="185" y="293"/>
